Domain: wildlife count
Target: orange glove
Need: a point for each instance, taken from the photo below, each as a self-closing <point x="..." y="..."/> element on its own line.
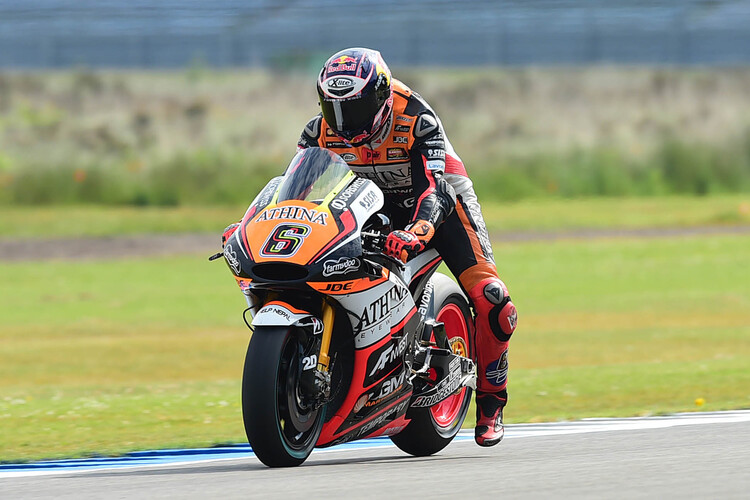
<point x="423" y="230"/>
<point x="409" y="242"/>
<point x="402" y="245"/>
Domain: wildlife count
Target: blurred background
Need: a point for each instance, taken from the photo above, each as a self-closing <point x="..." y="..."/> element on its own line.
<point x="609" y="143"/>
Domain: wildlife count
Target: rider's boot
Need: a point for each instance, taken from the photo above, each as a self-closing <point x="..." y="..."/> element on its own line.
<point x="489" y="430"/>
<point x="496" y="320"/>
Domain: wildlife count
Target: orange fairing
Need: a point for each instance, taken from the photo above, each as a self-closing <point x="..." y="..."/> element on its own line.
<point x="243" y="283"/>
<point x="348" y="286"/>
<point x="293" y="230"/>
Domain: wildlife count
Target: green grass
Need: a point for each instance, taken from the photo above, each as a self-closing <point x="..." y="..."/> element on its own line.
<point x="107" y="357"/>
<point x="526" y="215"/>
<point x="185" y="137"/>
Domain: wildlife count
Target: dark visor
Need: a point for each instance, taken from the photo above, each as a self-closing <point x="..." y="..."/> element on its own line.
<point x="351" y="117"/>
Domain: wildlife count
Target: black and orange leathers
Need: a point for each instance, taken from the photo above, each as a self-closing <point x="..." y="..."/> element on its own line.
<point x="423" y="178"/>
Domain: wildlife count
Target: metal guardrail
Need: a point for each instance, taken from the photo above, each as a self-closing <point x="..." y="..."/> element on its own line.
<point x="169" y="33"/>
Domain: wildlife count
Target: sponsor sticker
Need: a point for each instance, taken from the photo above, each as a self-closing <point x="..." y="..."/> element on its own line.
<point x="397" y="154"/>
<point x="343" y="63"/>
<point x="231" y="257"/>
<point x="371" y="155"/>
<point x="497" y="371"/>
<point x="368" y="200"/>
<point x="402" y="128"/>
<point x="340" y="266"/>
<point x="445" y="388"/>
<point x="294" y="213"/>
<point x="435" y="165"/>
<point x="348" y="157"/>
<point x="340" y="202"/>
<point x="341" y="82"/>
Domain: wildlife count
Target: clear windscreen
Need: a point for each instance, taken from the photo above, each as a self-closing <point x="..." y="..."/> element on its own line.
<point x="311" y="175"/>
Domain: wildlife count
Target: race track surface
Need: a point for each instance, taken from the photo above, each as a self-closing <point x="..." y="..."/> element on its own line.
<point x="683" y="456"/>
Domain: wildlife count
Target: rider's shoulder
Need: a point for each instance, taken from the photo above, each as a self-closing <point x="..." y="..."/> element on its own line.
<point x="312" y="129"/>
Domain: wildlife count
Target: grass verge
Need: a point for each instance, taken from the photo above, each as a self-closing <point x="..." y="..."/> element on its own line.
<point x="526" y="215"/>
<point x="107" y="357"/>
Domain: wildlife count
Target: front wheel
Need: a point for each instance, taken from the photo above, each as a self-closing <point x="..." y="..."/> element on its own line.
<point x="281" y="426"/>
<point x="432" y="429"/>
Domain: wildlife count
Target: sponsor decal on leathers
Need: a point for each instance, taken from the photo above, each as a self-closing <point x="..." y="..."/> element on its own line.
<point x="497" y="371"/>
<point x="387" y="177"/>
<point x="397" y="154"/>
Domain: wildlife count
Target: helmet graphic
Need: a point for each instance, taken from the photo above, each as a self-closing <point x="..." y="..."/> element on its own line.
<point x="354" y="88"/>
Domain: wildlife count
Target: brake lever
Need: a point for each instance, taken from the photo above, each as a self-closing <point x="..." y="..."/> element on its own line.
<point x="216" y="256"/>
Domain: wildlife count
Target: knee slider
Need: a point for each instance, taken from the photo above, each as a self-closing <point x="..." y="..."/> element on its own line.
<point x="499" y="308"/>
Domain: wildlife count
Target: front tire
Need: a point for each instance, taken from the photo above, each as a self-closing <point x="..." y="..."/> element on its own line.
<point x="432" y="429"/>
<point x="281" y="427"/>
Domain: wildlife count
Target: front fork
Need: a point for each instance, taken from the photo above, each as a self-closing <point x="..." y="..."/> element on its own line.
<point x="315" y="381"/>
<point x="322" y="371"/>
<point x="315" y="361"/>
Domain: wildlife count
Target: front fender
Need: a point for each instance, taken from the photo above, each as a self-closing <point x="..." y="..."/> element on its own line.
<point x="278" y="313"/>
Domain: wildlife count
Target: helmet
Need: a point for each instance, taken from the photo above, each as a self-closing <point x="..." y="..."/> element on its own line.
<point x="355" y="94"/>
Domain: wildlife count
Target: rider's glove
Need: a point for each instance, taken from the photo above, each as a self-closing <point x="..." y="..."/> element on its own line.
<point x="423" y="230"/>
<point x="228" y="232"/>
<point x="402" y="245"/>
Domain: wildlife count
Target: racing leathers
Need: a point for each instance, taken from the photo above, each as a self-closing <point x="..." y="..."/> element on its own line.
<point x="428" y="192"/>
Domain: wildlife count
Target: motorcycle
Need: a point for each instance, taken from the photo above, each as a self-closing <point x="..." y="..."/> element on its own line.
<point x="346" y="342"/>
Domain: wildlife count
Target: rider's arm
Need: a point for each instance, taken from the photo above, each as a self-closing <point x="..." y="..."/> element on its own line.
<point x="311" y="134"/>
<point x="434" y="198"/>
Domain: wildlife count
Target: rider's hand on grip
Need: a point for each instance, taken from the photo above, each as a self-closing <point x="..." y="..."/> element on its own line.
<point x="423" y="230"/>
<point x="402" y="245"/>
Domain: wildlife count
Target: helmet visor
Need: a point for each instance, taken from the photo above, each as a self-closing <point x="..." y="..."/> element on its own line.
<point x="352" y="117"/>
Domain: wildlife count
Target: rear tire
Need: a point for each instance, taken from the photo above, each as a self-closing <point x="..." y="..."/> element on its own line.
<point x="432" y="429"/>
<point x="281" y="430"/>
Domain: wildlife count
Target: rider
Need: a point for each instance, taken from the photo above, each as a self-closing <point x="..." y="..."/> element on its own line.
<point x="387" y="133"/>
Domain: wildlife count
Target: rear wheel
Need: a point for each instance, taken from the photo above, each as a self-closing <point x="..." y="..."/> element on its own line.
<point x="432" y="429"/>
<point x="281" y="425"/>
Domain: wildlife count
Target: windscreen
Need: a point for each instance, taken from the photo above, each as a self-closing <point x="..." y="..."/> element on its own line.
<point x="311" y="175"/>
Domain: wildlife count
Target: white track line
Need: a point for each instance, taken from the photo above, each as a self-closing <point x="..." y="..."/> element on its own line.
<point x="512" y="431"/>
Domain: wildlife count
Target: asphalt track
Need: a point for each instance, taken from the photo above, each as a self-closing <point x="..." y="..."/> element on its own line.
<point x="693" y="455"/>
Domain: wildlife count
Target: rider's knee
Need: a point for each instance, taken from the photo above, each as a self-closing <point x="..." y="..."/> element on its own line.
<point x="492" y="300"/>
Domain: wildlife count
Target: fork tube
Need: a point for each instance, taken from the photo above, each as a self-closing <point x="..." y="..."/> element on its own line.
<point x="325" y="343"/>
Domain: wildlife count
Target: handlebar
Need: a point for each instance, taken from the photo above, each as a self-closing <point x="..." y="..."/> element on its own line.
<point x="376" y="243"/>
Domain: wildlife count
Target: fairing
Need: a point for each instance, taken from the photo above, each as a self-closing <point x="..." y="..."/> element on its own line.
<point x="303" y="235"/>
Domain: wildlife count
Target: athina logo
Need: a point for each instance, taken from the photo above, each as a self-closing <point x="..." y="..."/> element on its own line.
<point x="341" y="266"/>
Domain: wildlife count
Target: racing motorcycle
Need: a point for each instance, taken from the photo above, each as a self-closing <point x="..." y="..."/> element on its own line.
<point x="346" y="341"/>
